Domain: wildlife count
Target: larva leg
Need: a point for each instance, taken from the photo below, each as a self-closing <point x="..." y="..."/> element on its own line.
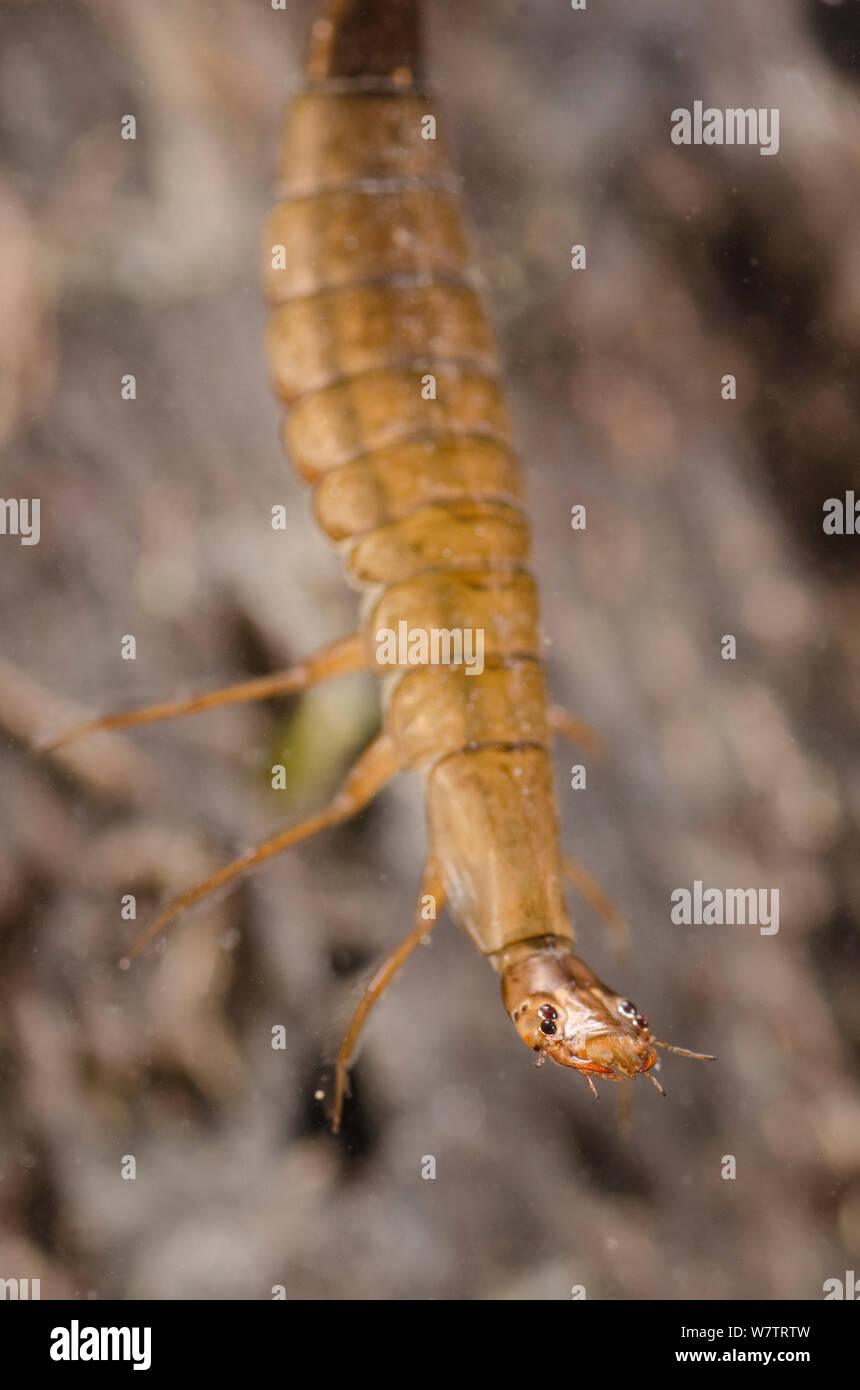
<point x="339" y="658"/>
<point x="430" y="886"/>
<point x="617" y="925"/>
<point x="376" y="767"/>
<point x="574" y="730"/>
<point x="580" y="733"/>
<point x="625" y="1112"/>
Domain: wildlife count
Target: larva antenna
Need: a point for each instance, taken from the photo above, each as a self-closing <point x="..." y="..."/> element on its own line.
<point x="366" y="38"/>
<point x="684" y="1052"/>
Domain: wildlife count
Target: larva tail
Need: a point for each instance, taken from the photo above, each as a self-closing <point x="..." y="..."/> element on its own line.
<point x="366" y="38"/>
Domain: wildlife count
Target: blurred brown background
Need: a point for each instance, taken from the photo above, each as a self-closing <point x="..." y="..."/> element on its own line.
<point x="704" y="518"/>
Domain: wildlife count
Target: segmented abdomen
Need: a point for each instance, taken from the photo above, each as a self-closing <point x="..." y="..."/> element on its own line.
<point x="415" y="480"/>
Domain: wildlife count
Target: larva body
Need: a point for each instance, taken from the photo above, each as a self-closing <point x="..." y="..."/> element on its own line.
<point x="380" y="348"/>
<point x="369" y="271"/>
<point x="424" y="497"/>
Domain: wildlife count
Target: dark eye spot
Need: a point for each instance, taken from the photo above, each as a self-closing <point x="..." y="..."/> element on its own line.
<point x="627" y="1007"/>
<point x="547" y="1011"/>
<point x="641" y="1021"/>
<point x="548" y="1027"/>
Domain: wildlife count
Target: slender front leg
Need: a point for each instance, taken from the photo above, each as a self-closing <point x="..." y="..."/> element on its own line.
<point x="345" y="655"/>
<point x="374" y="769"/>
<point x="431" y="885"/>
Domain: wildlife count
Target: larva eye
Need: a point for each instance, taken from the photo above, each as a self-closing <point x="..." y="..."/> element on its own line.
<point x="547" y="1015"/>
<point x="627" y="1008"/>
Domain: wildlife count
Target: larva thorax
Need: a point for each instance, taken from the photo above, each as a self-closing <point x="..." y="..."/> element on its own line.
<point x="380" y="347"/>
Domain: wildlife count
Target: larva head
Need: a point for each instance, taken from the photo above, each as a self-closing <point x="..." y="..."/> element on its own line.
<point x="562" y="1011"/>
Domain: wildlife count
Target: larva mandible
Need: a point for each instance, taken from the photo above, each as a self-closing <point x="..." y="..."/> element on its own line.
<point x="379" y="346"/>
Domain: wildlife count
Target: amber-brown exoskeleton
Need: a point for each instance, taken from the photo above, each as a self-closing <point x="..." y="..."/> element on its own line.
<point x="380" y="348"/>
